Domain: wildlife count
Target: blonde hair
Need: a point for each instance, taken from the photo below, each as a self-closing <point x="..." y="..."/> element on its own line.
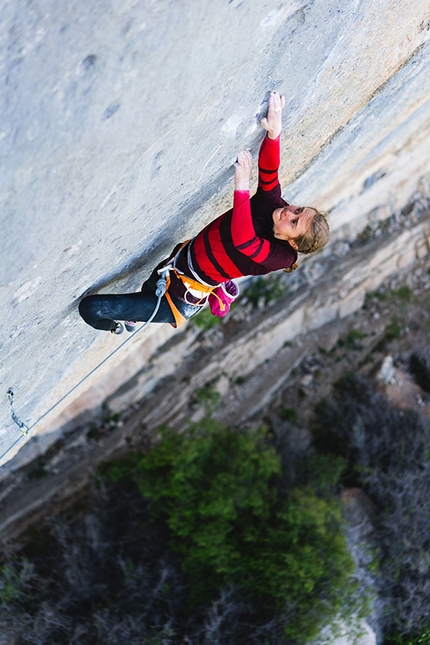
<point x="315" y="238"/>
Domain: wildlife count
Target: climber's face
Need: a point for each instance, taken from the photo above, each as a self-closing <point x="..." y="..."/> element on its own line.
<point x="291" y="222"/>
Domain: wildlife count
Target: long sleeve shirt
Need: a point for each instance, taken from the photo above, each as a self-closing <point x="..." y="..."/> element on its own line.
<point x="240" y="242"/>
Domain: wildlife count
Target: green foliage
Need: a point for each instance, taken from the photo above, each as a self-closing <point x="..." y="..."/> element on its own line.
<point x="118" y="470"/>
<point x="240" y="380"/>
<point x="9" y="584"/>
<point x="422" y="638"/>
<point x="232" y="550"/>
<point x="324" y="472"/>
<point x="217" y="491"/>
<point x="403" y="293"/>
<point x="205" y="320"/>
<point x="16" y="575"/>
<point x="393" y="329"/>
<point x="97" y="431"/>
<point x="288" y="414"/>
<point x="207" y="397"/>
<point x="209" y="484"/>
<point x="265" y="290"/>
<point x="38" y="472"/>
<point x="307" y="564"/>
<point x="352" y="339"/>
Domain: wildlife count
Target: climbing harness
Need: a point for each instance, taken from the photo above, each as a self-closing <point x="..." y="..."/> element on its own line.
<point x="197" y="287"/>
<point x="191" y="287"/>
<point x="25" y="429"/>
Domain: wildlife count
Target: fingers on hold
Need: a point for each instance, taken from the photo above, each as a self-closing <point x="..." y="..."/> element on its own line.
<point x="244" y="158"/>
<point x="276" y="98"/>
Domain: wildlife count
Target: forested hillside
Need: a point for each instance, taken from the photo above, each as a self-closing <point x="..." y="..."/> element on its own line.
<point x="238" y="535"/>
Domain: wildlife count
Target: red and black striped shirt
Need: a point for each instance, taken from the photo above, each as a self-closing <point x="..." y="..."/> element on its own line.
<point x="241" y="242"/>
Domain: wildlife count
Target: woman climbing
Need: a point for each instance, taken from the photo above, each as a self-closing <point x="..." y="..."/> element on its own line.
<point x="258" y="235"/>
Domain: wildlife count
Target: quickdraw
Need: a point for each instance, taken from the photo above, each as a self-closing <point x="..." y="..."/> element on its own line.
<point x="21" y="425"/>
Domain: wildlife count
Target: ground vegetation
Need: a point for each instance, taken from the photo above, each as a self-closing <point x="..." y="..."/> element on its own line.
<point x="195" y="541"/>
<point x="201" y="540"/>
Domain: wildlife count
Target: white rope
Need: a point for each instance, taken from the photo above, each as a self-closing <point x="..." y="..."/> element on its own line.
<point x="25" y="429"/>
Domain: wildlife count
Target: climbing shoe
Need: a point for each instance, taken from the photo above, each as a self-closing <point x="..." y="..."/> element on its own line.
<point x="118" y="329"/>
<point x="130" y="325"/>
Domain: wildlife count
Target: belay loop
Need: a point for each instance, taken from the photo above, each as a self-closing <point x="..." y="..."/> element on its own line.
<point x="22" y="426"/>
<point x="205" y="290"/>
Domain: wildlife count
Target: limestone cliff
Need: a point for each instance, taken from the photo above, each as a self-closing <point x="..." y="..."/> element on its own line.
<point x="119" y="125"/>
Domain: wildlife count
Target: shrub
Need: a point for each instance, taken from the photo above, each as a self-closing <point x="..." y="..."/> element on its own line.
<point x="265" y="290"/>
<point x="205" y="320"/>
<point x="217" y="491"/>
<point x="403" y="293"/>
<point x="11" y="582"/>
<point x="207" y="397"/>
<point x="421" y="638"/>
<point x="230" y="557"/>
<point x="288" y="414"/>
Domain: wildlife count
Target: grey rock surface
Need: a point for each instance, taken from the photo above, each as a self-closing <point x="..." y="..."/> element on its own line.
<point x="119" y="123"/>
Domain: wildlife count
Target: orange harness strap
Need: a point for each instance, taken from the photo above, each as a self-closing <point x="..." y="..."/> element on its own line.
<point x="179" y="318"/>
<point x="188" y="283"/>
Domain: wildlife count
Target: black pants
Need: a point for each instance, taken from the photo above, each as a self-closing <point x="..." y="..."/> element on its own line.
<point x="102" y="311"/>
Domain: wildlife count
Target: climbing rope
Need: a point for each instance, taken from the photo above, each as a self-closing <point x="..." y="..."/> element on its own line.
<point x="25" y="429"/>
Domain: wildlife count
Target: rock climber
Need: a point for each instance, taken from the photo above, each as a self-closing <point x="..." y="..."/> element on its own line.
<point x="260" y="234"/>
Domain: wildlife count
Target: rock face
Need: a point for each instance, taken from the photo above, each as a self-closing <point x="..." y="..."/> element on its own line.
<point x="119" y="126"/>
<point x="362" y="634"/>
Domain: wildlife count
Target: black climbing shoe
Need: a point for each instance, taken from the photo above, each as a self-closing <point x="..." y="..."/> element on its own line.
<point x="130" y="325"/>
<point x="118" y="329"/>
